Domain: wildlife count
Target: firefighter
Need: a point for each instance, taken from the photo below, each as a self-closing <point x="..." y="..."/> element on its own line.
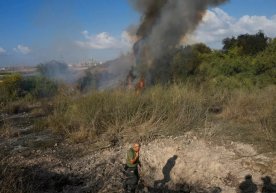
<point x="132" y="165"/>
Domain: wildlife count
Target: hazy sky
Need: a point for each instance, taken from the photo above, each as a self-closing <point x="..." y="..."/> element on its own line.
<point x="34" y="31"/>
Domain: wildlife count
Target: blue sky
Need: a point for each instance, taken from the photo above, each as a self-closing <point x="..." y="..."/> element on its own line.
<point x="33" y="31"/>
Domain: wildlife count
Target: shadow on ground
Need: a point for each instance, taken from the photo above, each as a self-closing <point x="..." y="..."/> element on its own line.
<point x="102" y="178"/>
<point x="160" y="186"/>
<point x="36" y="179"/>
<point x="248" y="186"/>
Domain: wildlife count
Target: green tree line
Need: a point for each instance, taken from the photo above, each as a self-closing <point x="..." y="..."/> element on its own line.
<point x="244" y="61"/>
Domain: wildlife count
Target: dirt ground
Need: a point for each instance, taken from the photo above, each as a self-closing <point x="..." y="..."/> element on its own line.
<point x="43" y="162"/>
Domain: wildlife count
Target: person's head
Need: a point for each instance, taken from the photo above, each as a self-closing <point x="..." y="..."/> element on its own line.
<point x="248" y="177"/>
<point x="136" y="147"/>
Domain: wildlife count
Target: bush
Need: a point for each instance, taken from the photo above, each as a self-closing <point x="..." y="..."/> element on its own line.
<point x="247" y="44"/>
<point x="39" y="87"/>
<point x="10" y="88"/>
<point x="89" y="82"/>
<point x="186" y="61"/>
<point x="16" y="91"/>
<point x="232" y="70"/>
<point x="53" y="69"/>
<point x="245" y="61"/>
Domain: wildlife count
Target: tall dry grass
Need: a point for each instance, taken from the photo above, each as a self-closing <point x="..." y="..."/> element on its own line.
<point x="120" y="115"/>
<point x="115" y="114"/>
<point x="254" y="109"/>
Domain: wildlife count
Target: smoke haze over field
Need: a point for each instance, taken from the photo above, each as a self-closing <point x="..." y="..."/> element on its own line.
<point x="165" y="23"/>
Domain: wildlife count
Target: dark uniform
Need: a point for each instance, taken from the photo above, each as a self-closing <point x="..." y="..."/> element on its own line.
<point x="132" y="175"/>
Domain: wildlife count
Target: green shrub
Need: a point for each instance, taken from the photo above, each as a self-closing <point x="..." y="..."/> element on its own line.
<point x="10" y="88"/>
<point x="39" y="87"/>
<point x="14" y="86"/>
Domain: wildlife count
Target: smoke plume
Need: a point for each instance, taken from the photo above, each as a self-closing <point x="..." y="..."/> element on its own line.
<point x="164" y="23"/>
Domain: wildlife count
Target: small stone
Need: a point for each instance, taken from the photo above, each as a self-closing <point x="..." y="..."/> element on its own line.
<point x="146" y="190"/>
<point x="274" y="166"/>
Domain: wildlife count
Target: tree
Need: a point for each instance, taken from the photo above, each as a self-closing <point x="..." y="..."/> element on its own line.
<point x="247" y="44"/>
<point x="53" y="69"/>
<point x="201" y="48"/>
<point x="89" y="82"/>
<point x="252" y="44"/>
<point x="185" y="62"/>
<point x="229" y="43"/>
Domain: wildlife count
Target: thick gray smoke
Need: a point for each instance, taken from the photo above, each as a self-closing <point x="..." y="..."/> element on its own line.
<point x="164" y="24"/>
